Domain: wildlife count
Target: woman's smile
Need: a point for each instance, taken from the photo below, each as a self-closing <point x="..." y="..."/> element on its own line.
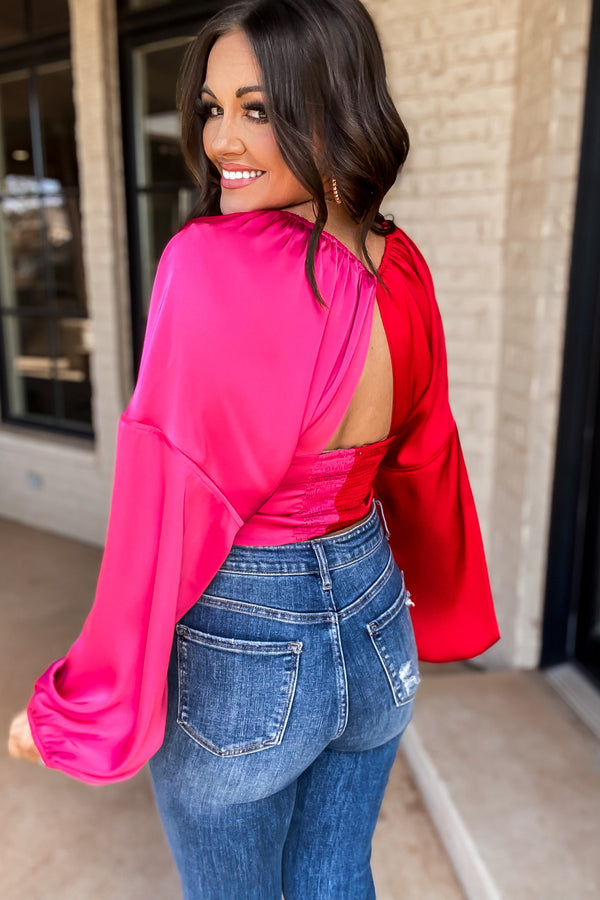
<point x="234" y="177"/>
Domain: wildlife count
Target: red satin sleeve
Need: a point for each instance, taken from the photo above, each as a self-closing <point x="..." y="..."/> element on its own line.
<point x="422" y="482"/>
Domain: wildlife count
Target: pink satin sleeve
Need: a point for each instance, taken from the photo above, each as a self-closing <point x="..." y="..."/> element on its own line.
<point x="98" y="713"/>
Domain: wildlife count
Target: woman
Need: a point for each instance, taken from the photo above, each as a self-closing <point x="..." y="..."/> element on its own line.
<point x="252" y="631"/>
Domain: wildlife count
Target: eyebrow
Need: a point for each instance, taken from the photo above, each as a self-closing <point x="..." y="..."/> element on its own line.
<point x="249" y="89"/>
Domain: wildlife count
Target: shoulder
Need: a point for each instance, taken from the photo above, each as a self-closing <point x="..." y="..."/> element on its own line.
<point x="406" y="269"/>
<point x="405" y="255"/>
<point x="243" y="234"/>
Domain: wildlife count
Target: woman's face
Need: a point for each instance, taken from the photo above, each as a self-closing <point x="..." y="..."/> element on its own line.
<point x="237" y="135"/>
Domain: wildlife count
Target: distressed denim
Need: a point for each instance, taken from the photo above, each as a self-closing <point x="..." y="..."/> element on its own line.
<point x="290" y="683"/>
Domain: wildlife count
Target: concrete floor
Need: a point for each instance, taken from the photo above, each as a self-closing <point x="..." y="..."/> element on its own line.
<point x="513" y="778"/>
<point x="64" y="840"/>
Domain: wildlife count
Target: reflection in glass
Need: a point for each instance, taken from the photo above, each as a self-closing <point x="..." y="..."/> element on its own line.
<point x="49" y="16"/>
<point x="50" y="363"/>
<point x="16" y="157"/>
<point x="74" y="345"/>
<point x="12" y="22"/>
<point x="145" y="4"/>
<point x="41" y="236"/>
<point x="57" y="117"/>
<point x="162" y="213"/>
<point x="31" y="366"/>
<point x="42" y="290"/>
<point x="22" y="20"/>
<point x="158" y="154"/>
<point x="64" y="253"/>
<point x="21" y="239"/>
<point x="159" y="161"/>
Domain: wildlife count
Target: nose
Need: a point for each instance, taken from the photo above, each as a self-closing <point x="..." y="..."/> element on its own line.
<point x="225" y="137"/>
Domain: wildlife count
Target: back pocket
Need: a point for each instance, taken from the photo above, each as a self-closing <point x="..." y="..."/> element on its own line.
<point x="235" y="696"/>
<point x="393" y="638"/>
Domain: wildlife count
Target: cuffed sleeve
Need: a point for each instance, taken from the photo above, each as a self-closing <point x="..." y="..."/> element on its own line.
<point x="436" y="541"/>
<point x="98" y="714"/>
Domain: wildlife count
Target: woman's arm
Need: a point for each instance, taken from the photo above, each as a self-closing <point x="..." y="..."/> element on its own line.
<point x="424" y="488"/>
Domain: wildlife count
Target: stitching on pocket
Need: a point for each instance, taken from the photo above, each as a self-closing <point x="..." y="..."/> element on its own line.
<point x="274" y="719"/>
<point x="403" y="678"/>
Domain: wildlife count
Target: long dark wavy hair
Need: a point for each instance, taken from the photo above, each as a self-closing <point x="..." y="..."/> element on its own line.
<point x="325" y="86"/>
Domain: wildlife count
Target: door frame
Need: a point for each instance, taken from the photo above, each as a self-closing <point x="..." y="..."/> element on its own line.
<point x="576" y="490"/>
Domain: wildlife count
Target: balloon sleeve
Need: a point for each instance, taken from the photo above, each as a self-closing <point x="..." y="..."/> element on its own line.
<point x="98" y="713"/>
<point x="426" y="496"/>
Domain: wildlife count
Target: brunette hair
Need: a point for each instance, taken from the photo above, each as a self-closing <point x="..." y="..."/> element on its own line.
<point x="325" y="85"/>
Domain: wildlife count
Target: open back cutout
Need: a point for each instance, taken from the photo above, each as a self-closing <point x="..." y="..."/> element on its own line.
<point x="368" y="417"/>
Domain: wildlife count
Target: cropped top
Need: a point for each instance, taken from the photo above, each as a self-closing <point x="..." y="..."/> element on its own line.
<point x="336" y="489"/>
<point x="244" y="377"/>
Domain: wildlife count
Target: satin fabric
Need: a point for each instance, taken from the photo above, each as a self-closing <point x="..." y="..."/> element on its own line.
<point x="242" y="371"/>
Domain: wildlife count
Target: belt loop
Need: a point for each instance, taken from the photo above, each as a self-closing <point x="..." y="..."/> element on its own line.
<point x="323" y="565"/>
<point x="387" y="531"/>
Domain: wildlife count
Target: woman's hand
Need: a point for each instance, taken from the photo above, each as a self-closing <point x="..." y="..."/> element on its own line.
<point x="20" y="740"/>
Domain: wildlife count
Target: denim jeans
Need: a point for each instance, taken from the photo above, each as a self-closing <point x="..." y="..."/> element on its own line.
<point x="291" y="681"/>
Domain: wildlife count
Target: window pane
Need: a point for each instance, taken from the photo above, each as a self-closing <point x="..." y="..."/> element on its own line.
<point x="63" y="253"/>
<point x="12" y="22"/>
<point x="49" y="16"/>
<point x="74" y="368"/>
<point x="21" y="247"/>
<point x="16" y="157"/>
<point x="42" y="290"/>
<point x="159" y="156"/>
<point x="28" y="342"/>
<point x="145" y="4"/>
<point x="57" y="115"/>
<point x="49" y="365"/>
<point x="161" y="215"/>
<point x="40" y="248"/>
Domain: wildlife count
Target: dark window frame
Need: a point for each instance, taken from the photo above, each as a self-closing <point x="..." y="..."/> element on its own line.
<point x="29" y="56"/>
<point x="572" y="571"/>
<point x="136" y="29"/>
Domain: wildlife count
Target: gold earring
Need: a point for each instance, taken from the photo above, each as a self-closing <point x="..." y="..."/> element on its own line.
<point x="336" y="193"/>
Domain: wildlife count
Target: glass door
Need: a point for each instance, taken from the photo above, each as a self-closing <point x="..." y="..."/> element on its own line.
<point x="160" y="192"/>
<point x="587" y="641"/>
<point x="572" y="612"/>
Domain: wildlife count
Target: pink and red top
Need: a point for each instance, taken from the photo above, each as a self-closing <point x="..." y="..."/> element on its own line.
<point x="244" y="378"/>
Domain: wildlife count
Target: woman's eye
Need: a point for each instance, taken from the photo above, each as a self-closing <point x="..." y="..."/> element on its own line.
<point x="207" y="110"/>
<point x="256" y="111"/>
<point x="210" y="110"/>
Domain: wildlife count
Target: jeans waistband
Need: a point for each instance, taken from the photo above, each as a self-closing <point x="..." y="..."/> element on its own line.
<point x="314" y="555"/>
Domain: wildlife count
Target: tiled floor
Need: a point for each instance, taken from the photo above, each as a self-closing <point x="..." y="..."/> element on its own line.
<point x="64" y="840"/>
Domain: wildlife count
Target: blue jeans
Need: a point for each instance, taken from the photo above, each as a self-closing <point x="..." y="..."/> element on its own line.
<point x="291" y="681"/>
